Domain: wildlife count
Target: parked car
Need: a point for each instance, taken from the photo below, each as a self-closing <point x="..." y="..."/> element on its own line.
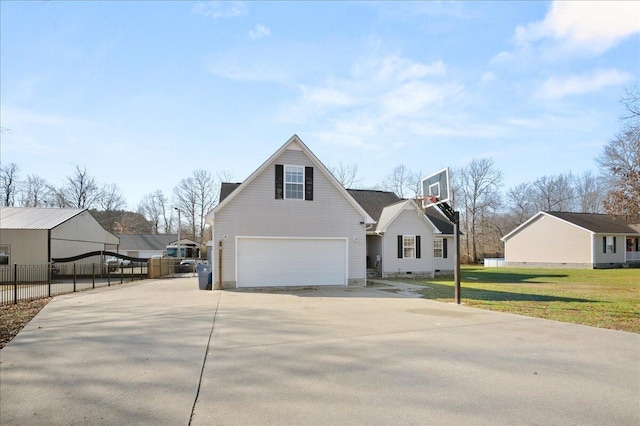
<point x="187" y="265"/>
<point x="112" y="263"/>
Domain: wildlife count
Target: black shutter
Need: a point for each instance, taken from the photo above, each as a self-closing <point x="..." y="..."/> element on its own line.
<point x="444" y="248"/>
<point x="417" y="246"/>
<point x="279" y="181"/>
<point x="400" y="251"/>
<point x="614" y="244"/>
<point x="604" y="244"/>
<point x="308" y="183"/>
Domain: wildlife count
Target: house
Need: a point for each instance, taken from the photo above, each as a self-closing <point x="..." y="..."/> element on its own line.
<point x="290" y="223"/>
<point x="583" y="240"/>
<point x="143" y="245"/>
<point x="33" y="236"/>
<point x="406" y="240"/>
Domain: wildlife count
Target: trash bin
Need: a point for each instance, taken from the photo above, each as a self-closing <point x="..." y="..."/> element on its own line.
<point x="204" y="276"/>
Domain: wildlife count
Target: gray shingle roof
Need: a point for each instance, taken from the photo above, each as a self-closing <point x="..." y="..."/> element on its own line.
<point x="227" y="188"/>
<point x="598" y="223"/>
<point x="374" y="201"/>
<point x="34" y="218"/>
<point x="145" y="241"/>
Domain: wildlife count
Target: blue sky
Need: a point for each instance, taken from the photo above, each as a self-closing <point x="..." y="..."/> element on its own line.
<point x="143" y="93"/>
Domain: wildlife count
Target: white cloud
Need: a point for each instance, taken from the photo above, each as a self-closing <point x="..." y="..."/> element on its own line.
<point x="402" y="69"/>
<point x="327" y="97"/>
<point x="220" y="9"/>
<point x="487" y="77"/>
<point x="584" y="26"/>
<point x="259" y="31"/>
<point x="555" y="88"/>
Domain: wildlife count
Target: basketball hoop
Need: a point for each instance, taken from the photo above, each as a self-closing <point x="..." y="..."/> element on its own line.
<point x="432" y="199"/>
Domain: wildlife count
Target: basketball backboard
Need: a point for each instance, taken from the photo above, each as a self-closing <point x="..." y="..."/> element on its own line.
<point x="435" y="188"/>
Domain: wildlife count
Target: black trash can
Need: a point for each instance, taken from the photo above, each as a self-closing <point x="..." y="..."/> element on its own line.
<point x="204" y="276"/>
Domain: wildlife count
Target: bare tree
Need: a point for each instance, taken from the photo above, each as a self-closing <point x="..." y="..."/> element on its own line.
<point x="154" y="207"/>
<point x="111" y="201"/>
<point x="195" y="196"/>
<point x="620" y="162"/>
<point x="9" y="182"/>
<point x="479" y="197"/>
<point x="111" y="198"/>
<point x="80" y="191"/>
<point x="346" y="174"/>
<point x="590" y="192"/>
<point x="521" y="202"/>
<point x="36" y="192"/>
<point x="554" y="193"/>
<point x="402" y="181"/>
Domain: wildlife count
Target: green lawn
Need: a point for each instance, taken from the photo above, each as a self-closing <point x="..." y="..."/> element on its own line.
<point x="607" y="298"/>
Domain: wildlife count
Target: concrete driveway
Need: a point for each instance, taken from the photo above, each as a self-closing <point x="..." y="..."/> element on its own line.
<point x="162" y="352"/>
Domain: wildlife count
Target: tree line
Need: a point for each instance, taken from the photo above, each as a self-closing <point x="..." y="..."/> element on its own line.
<point x="487" y="211"/>
<point x="157" y="213"/>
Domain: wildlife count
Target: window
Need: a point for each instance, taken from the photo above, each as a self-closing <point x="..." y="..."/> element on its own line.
<point x="609" y="244"/>
<point x="294" y="182"/>
<point x="5" y="254"/>
<point x="438" y="248"/>
<point x="408" y="246"/>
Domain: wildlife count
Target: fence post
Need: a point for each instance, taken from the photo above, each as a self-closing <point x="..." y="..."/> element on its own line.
<point x="15" y="283"/>
<point x="49" y="278"/>
<point x="108" y="277"/>
<point x="74" y="277"/>
<point x="121" y="273"/>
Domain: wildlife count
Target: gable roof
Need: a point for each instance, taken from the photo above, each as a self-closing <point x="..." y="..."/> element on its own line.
<point x="391" y="212"/>
<point x="34" y="217"/>
<point x="374" y="202"/>
<point x="594" y="223"/>
<point x="145" y="241"/>
<point x="293" y="141"/>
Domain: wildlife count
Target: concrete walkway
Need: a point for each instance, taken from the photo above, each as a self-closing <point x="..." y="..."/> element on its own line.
<point x="162" y="352"/>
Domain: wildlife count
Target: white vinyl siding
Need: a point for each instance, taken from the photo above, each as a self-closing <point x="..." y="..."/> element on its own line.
<point x="275" y="262"/>
<point x="408" y="223"/>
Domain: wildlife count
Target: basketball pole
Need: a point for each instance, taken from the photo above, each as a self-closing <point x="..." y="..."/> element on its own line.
<point x="454" y="217"/>
<point x="456" y="261"/>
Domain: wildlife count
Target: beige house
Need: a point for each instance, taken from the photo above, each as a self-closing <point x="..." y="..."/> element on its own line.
<point x="564" y="239"/>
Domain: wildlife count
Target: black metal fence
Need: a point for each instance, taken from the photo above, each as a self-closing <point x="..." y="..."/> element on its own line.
<point x="30" y="282"/>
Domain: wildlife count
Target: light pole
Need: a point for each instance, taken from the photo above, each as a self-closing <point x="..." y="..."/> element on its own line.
<point x="179" y="253"/>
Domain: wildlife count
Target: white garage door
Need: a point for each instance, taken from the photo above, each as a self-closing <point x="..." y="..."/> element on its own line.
<point x="272" y="262"/>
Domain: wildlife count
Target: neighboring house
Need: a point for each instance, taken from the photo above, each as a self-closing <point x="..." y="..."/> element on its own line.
<point x="290" y="223"/>
<point x="143" y="245"/>
<point x="564" y="239"/>
<point x="33" y="236"/>
<point x="405" y="241"/>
